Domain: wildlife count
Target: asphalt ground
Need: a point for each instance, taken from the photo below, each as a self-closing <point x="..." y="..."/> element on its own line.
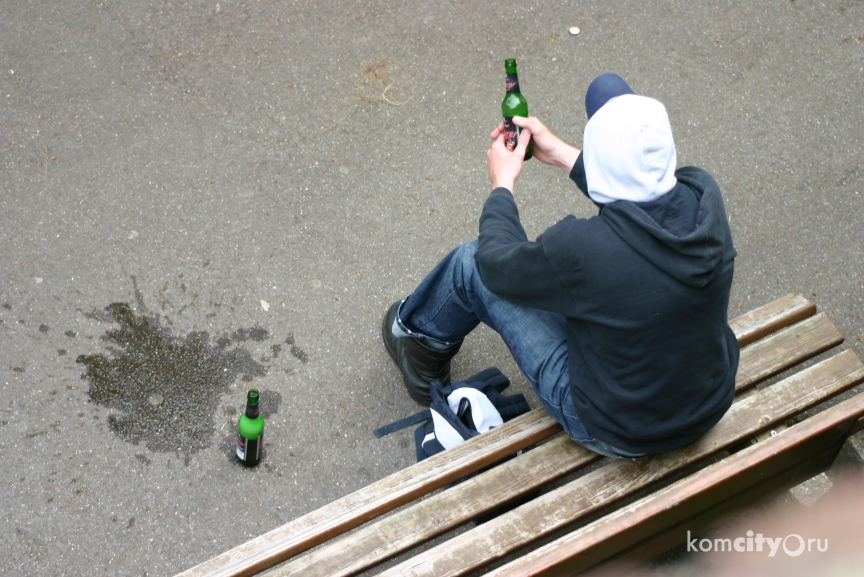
<point x="198" y="198"/>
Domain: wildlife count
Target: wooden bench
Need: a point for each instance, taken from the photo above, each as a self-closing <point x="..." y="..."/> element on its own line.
<point x="611" y="508"/>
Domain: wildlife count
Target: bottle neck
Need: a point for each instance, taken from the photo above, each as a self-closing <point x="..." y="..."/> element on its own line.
<point x="252" y="410"/>
<point x="512" y="83"/>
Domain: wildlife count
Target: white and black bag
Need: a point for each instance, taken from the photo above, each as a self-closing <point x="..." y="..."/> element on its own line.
<point x="461" y="411"/>
<point x="466" y="409"/>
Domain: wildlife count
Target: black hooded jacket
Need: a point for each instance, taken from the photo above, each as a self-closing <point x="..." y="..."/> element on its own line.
<point x="645" y="289"/>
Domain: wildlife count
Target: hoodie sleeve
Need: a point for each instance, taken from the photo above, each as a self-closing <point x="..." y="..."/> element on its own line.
<point x="511" y="266"/>
<point x="577" y="175"/>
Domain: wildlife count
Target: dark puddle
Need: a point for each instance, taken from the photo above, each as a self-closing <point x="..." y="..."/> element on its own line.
<point x="166" y="388"/>
<point x="295" y="351"/>
<point x="255" y="334"/>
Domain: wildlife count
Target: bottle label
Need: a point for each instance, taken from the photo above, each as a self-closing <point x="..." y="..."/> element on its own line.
<point x="511" y="133"/>
<point x="512" y="83"/>
<point x="249" y="450"/>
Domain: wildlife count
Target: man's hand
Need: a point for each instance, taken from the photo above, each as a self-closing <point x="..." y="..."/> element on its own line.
<point x="505" y="165"/>
<point x="547" y="148"/>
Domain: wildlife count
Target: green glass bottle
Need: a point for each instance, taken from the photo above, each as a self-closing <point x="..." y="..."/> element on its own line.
<point x="250" y="433"/>
<point x="514" y="104"/>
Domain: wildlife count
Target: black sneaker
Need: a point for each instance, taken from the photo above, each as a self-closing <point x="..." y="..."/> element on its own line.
<point x="419" y="363"/>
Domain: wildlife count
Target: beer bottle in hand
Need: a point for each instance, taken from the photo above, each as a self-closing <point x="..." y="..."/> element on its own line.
<point x="250" y="433"/>
<point x="514" y="104"/>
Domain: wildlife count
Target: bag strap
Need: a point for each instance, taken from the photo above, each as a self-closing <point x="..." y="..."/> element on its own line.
<point x="402" y="423"/>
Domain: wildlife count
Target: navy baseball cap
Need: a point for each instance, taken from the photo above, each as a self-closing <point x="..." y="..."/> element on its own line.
<point x="603" y="89"/>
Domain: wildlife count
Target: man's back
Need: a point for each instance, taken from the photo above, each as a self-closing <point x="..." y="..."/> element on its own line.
<point x="649" y="316"/>
<point x="652" y="359"/>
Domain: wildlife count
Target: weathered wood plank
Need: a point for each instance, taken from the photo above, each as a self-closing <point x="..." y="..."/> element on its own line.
<point x="350" y="511"/>
<point x="772" y="317"/>
<point x="785" y="349"/>
<point x="440" y="513"/>
<point x="385" y="495"/>
<point x="735" y="480"/>
<point x="619" y="479"/>
<point x="701" y="520"/>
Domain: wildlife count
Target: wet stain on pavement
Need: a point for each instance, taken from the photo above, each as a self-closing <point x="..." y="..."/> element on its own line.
<point x="166" y="388"/>
<point x="255" y="333"/>
<point x="268" y="403"/>
<point x="295" y="350"/>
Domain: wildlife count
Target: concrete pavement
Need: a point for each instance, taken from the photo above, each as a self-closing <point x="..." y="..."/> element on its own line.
<point x="259" y="180"/>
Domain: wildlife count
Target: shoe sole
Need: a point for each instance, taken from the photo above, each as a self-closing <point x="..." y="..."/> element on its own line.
<point x="386" y="329"/>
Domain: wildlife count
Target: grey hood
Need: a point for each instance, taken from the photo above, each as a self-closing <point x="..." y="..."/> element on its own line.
<point x="629" y="152"/>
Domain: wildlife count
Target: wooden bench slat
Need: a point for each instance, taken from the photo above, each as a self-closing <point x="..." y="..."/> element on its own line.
<point x="772" y="317"/>
<point x="442" y="512"/>
<point x="619" y="478"/>
<point x="665" y="534"/>
<point x="773" y="464"/>
<point x="380" y="497"/>
<point x="785" y="349"/>
<point x="701" y="519"/>
<point x="385" y="495"/>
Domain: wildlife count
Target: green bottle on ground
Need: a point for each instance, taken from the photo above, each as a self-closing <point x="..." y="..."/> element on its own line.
<point x="514" y="104"/>
<point x="250" y="433"/>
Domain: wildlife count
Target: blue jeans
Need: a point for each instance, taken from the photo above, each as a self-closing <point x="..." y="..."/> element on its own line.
<point x="452" y="300"/>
